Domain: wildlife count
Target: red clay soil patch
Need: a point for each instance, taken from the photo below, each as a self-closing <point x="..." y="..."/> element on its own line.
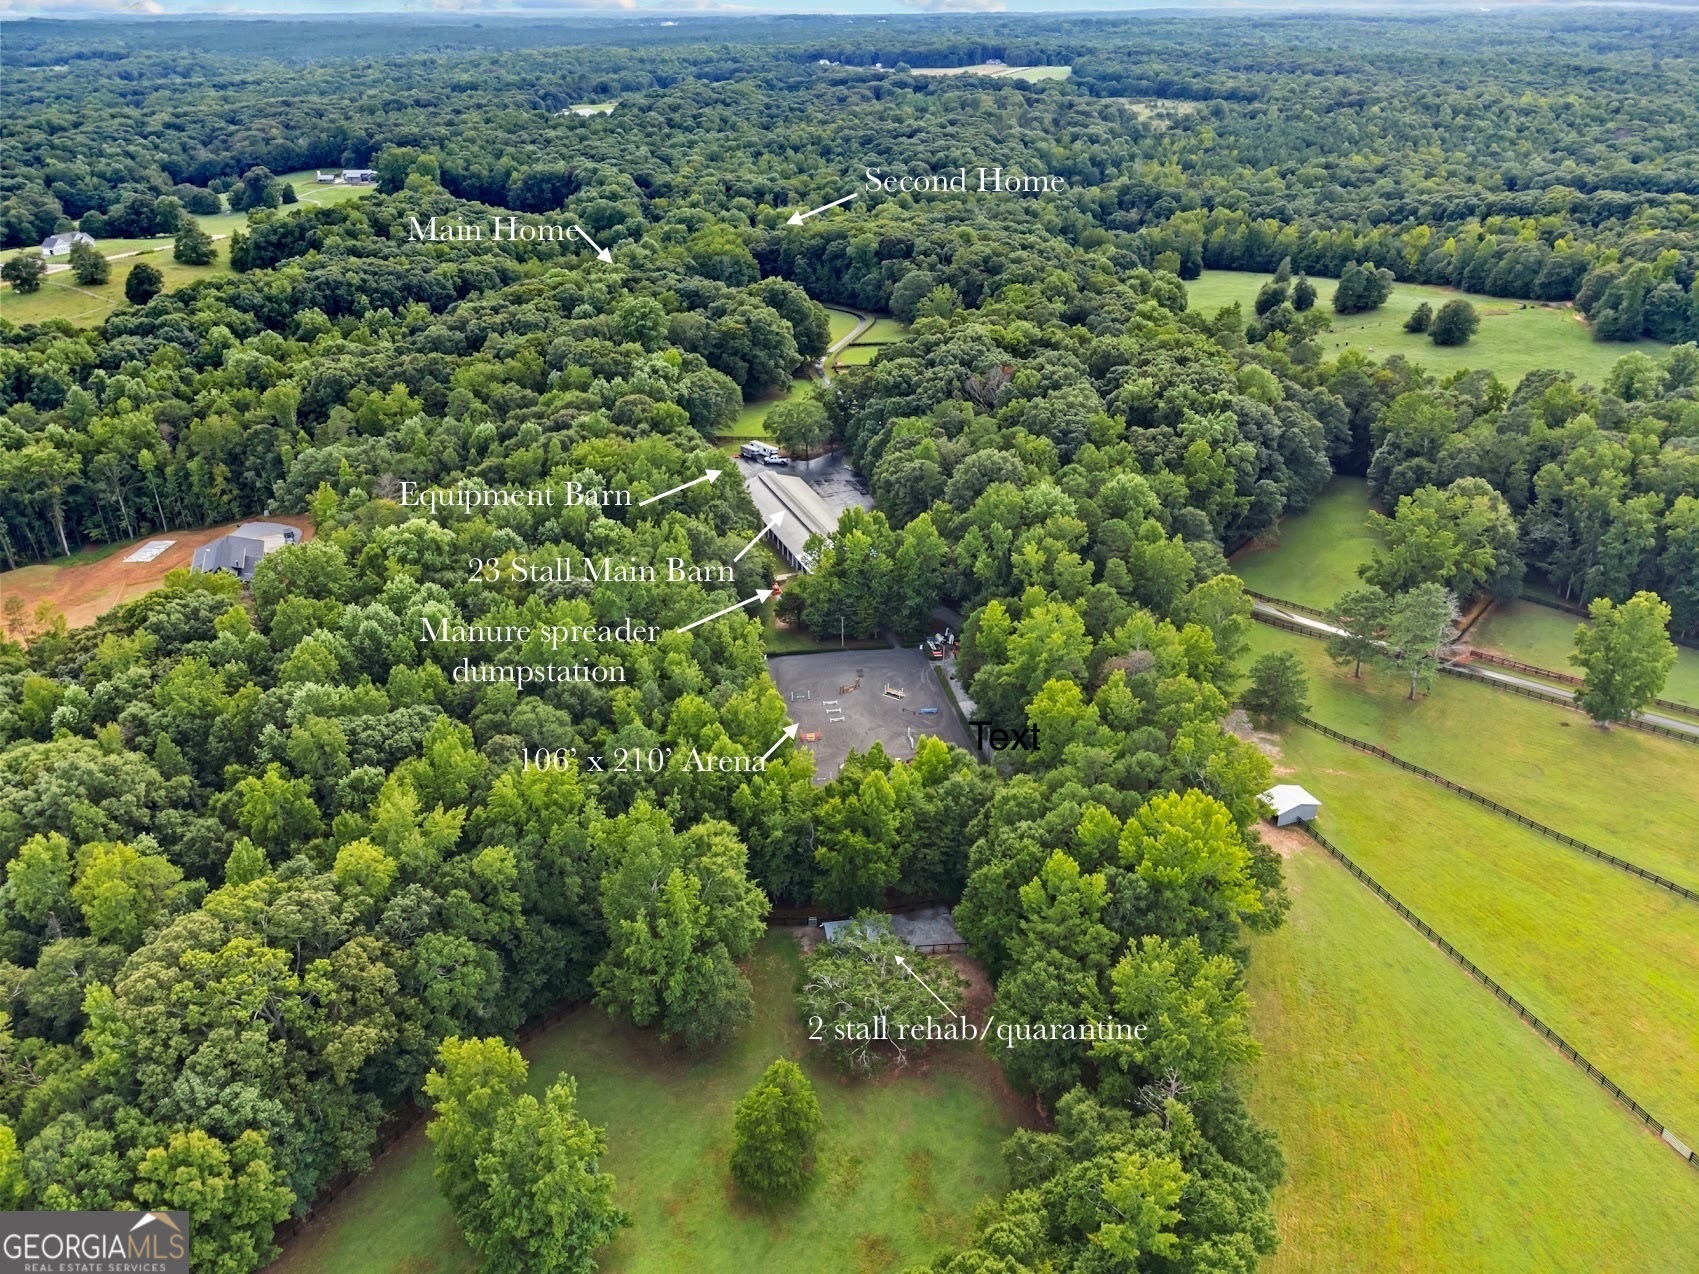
<point x="84" y="591"/>
<point x="1285" y="841"/>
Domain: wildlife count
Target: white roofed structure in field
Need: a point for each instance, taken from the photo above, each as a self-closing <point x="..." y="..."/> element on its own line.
<point x="1290" y="803"/>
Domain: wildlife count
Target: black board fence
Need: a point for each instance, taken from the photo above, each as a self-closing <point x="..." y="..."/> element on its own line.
<point x="1567" y="678"/>
<point x="1569" y="608"/>
<point x="1552" y="695"/>
<point x="1286" y="605"/>
<point x="1563" y="699"/>
<point x="1504" y="997"/>
<point x="1532" y="824"/>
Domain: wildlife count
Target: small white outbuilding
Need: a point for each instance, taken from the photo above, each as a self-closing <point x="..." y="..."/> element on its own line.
<point x="1290" y="803"/>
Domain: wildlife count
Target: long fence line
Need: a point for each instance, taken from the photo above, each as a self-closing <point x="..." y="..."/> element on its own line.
<point x="1567" y="678"/>
<point x="1311" y="611"/>
<point x="1521" y="1010"/>
<point x="1527" y="692"/>
<point x="1556" y="697"/>
<point x="1593" y="851"/>
<point x="1570" y="608"/>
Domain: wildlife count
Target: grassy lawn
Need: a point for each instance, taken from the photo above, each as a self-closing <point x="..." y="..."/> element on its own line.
<point x="1627" y="792"/>
<point x="900" y="1166"/>
<point x="749" y="422"/>
<point x="1319" y="550"/>
<point x="1000" y="71"/>
<point x="1542" y="636"/>
<point x="798" y="641"/>
<point x="1609" y="961"/>
<point x="843" y="323"/>
<point x="61" y="297"/>
<point x="855" y="355"/>
<point x="306" y="189"/>
<point x="885" y="331"/>
<point x="1515" y="337"/>
<point x="1425" y="1127"/>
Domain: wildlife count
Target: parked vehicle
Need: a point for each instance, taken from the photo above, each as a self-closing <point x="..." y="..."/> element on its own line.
<point x="757" y="451"/>
<point x="773" y="457"/>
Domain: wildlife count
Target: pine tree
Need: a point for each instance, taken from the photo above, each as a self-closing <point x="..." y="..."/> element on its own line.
<point x="774" y="1131"/>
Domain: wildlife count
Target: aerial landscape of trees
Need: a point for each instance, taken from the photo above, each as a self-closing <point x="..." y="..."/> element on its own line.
<point x="275" y="875"/>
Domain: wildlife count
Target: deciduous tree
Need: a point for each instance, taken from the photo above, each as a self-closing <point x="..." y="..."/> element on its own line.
<point x="1625" y="655"/>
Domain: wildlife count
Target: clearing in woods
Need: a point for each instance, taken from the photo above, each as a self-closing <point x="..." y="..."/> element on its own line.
<point x="1314" y="557"/>
<point x="901" y="1161"/>
<point x="1515" y="336"/>
<point x="87" y="584"/>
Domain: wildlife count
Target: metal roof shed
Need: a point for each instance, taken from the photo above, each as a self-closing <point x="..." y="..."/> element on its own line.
<point x="1290" y="803"/>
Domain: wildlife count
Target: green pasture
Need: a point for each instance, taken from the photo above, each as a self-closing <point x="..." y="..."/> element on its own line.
<point x="1544" y="637"/>
<point x="885" y="331"/>
<point x="1315" y="557"/>
<point x="901" y="1163"/>
<point x="1515" y="336"/>
<point x="62" y="297"/>
<point x="1425" y="1126"/>
<point x="855" y="355"/>
<point x="1624" y="791"/>
<point x="749" y="422"/>
<point x="1609" y="961"/>
<point x="843" y="323"/>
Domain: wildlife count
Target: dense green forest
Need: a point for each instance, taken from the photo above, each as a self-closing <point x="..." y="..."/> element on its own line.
<point x="264" y="852"/>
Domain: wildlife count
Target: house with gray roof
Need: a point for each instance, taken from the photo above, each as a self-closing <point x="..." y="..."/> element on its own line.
<point x="241" y="550"/>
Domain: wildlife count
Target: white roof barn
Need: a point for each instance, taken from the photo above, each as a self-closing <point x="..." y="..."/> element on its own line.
<point x="1290" y="803"/>
<point x="59" y="244"/>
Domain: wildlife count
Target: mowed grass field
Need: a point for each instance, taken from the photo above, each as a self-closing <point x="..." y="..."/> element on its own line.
<point x="1515" y="337"/>
<point x="1608" y="960"/>
<point x="999" y="71"/>
<point x="843" y="323"/>
<point x="901" y="1162"/>
<point x="61" y="297"/>
<point x="1315" y="558"/>
<point x="1624" y="791"/>
<point x="1544" y="637"/>
<point x="750" y="421"/>
<point x="1427" y="1128"/>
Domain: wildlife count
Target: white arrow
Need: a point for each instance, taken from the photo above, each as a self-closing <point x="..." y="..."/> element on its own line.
<point x="683" y="486"/>
<point x="602" y="254"/>
<point x="790" y="733"/>
<point x="797" y="218"/>
<point x="761" y="596"/>
<point x="922" y="982"/>
<point x="773" y="521"/>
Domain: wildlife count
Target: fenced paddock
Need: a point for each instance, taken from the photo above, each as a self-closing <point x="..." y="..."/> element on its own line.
<point x="1504" y="997"/>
